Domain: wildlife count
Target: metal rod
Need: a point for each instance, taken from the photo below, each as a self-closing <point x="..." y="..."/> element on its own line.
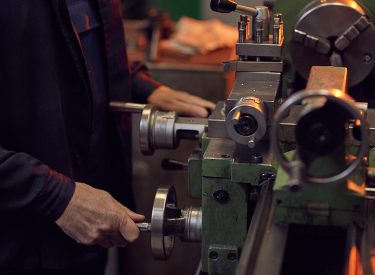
<point x="370" y="193"/>
<point x="277" y="27"/>
<point x="144" y="226"/>
<point x="246" y="10"/>
<point x="127" y="107"/>
<point x="199" y="268"/>
<point x="258" y="30"/>
<point x="242" y="28"/>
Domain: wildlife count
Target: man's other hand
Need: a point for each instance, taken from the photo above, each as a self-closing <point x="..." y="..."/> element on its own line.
<point x="183" y="103"/>
<point x="93" y="217"/>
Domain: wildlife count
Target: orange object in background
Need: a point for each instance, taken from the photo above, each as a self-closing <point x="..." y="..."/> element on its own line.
<point x="355" y="266"/>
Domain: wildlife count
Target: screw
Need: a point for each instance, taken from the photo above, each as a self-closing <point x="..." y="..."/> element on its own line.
<point x="221" y="196"/>
<point x="256" y="158"/>
<point x="267" y="176"/>
<point x="367" y="58"/>
<point x="280" y="101"/>
<point x="293" y="187"/>
<point x="213" y="255"/>
<point x="232" y="257"/>
<point x="252" y="143"/>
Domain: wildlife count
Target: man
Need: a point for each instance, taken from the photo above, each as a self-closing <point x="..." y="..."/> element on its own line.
<point x="61" y="62"/>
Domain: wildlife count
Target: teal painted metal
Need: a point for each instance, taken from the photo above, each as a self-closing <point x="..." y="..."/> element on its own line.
<point x="250" y="173"/>
<point x="195" y="169"/>
<point x="224" y="224"/>
<point x="338" y="204"/>
<point x="226" y="261"/>
<point x="226" y="221"/>
<point x="195" y="175"/>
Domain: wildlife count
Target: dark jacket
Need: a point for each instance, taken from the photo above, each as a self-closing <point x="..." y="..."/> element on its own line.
<point x="45" y="126"/>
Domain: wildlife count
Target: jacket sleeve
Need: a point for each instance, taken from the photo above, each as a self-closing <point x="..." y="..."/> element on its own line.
<point x="28" y="186"/>
<point x="142" y="83"/>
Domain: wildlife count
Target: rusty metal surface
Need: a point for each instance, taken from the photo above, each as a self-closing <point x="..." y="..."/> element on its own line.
<point x="327" y="77"/>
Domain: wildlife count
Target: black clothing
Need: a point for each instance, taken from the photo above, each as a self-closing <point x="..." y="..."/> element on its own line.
<point x="49" y="122"/>
<point x="94" y="267"/>
<point x="85" y="19"/>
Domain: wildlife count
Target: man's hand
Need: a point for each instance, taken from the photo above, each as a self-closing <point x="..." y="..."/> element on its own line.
<point x="93" y="217"/>
<point x="166" y="99"/>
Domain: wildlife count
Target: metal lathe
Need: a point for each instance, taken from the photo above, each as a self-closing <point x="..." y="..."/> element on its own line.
<point x="286" y="166"/>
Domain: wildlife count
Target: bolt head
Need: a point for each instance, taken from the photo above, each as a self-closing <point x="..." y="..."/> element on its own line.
<point x="221" y="196"/>
<point x="232" y="257"/>
<point x="367" y="58"/>
<point x="213" y="255"/>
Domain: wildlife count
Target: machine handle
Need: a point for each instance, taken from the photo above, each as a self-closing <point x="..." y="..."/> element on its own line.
<point x="126" y="107"/>
<point x="223" y="6"/>
<point x="144" y="226"/>
<point x="227" y="6"/>
<point x="173" y="165"/>
<point x="332" y="95"/>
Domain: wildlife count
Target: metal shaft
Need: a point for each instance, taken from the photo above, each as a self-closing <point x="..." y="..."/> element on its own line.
<point x="277" y="27"/>
<point x="127" y="107"/>
<point x="144" y="226"/>
<point x="246" y="10"/>
<point x="243" y="28"/>
<point x="258" y="31"/>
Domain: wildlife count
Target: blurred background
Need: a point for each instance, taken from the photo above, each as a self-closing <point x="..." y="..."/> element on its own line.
<point x="199" y="9"/>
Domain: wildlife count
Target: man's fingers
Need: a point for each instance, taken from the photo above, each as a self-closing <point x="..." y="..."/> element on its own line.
<point x="190" y="110"/>
<point x="94" y="217"/>
<point x="128" y="229"/>
<point x="118" y="239"/>
<point x="183" y="103"/>
<point x="134" y="216"/>
<point x="196" y="100"/>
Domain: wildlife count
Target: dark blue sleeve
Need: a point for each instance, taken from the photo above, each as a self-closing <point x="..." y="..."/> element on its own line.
<point x="30" y="187"/>
<point x="142" y="83"/>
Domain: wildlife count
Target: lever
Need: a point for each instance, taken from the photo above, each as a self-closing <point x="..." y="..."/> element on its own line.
<point x="126" y="107"/>
<point x="227" y="6"/>
<point x="173" y="165"/>
<point x="144" y="226"/>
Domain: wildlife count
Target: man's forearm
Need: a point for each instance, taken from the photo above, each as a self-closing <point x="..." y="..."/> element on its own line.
<point x="29" y="186"/>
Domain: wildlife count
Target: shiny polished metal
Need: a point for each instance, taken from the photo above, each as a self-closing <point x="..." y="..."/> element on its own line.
<point x="163" y="130"/>
<point x="145" y="127"/>
<point x="193" y="224"/>
<point x="144" y="226"/>
<point x="127" y="107"/>
<point x="169" y="222"/>
<point x="246" y="123"/>
<point x="261" y="25"/>
<point x="162" y="245"/>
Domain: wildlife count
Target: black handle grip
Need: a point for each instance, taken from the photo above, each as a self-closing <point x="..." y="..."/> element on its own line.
<point x="223" y="6"/>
